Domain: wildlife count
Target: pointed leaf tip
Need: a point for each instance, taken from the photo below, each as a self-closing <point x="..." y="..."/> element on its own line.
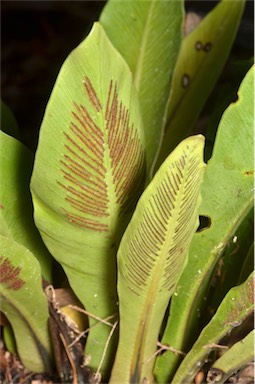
<point x="88" y="174"/>
<point x="152" y="255"/>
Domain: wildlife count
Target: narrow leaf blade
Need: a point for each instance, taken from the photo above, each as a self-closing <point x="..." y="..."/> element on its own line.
<point x="152" y="255"/>
<point x="227" y="272"/>
<point x="148" y="35"/>
<point x="201" y="59"/>
<point x="238" y="356"/>
<point x="235" y="308"/>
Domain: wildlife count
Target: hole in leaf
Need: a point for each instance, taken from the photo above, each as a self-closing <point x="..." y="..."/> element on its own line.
<point x="185" y="80"/>
<point x="208" y="47"/>
<point x="198" y="46"/>
<point x="204" y="223"/>
<point x="214" y="374"/>
<point x="249" y="173"/>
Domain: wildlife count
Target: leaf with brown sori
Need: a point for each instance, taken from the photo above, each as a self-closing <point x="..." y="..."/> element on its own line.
<point x="24" y="304"/>
<point x="84" y="168"/>
<point x="228" y="170"/>
<point x="152" y="255"/>
<point x="16" y="210"/>
<point x="89" y="172"/>
<point x="9" y="275"/>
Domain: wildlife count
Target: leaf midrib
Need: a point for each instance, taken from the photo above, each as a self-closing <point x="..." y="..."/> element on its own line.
<point x="142" y="50"/>
<point x="155" y="281"/>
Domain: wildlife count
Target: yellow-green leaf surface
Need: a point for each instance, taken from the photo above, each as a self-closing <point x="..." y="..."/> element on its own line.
<point x="24" y="304"/>
<point x="89" y="172"/>
<point x="234" y="309"/>
<point x="227" y="198"/>
<point x="16" y="211"/>
<point x="148" y="36"/>
<point x="152" y="255"/>
<point x="238" y="356"/>
<point x="201" y="59"/>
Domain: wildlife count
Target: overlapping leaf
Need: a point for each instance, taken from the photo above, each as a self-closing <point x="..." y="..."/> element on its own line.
<point x="16" y="216"/>
<point x="24" y="304"/>
<point x="239" y="355"/>
<point x="227" y="197"/>
<point x="228" y="272"/>
<point x="201" y="59"/>
<point x="148" y="36"/>
<point x="234" y="309"/>
<point x="88" y="174"/>
<point x="152" y="255"/>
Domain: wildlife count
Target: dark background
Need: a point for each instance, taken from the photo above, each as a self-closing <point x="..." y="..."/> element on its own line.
<point x="37" y="36"/>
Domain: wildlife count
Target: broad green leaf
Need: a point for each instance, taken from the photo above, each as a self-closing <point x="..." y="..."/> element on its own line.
<point x="223" y="94"/>
<point x="234" y="309"/>
<point x="89" y="172"/>
<point x="201" y="59"/>
<point x="227" y="197"/>
<point x="16" y="211"/>
<point x="148" y="36"/>
<point x="24" y="304"/>
<point x="152" y="255"/>
<point x="239" y="355"/>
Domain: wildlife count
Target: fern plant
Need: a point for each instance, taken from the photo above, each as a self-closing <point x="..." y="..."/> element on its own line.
<point x="119" y="187"/>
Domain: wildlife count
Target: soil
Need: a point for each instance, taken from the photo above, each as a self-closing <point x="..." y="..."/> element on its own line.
<point x="13" y="372"/>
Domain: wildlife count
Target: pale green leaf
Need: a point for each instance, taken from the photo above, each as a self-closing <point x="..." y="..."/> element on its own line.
<point x="234" y="309"/>
<point x="148" y="36"/>
<point x="239" y="355"/>
<point x="16" y="211"/>
<point x="152" y="255"/>
<point x="89" y="172"/>
<point x="227" y="197"/>
<point x="201" y="59"/>
<point x="24" y="304"/>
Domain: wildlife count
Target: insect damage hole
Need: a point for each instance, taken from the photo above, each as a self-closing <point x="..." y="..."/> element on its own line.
<point x="208" y="47"/>
<point x="198" y="46"/>
<point x="185" y="80"/>
<point x="204" y="223"/>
